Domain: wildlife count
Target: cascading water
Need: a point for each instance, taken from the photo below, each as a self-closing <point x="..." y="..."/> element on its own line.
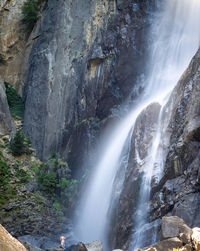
<point x="175" y="39"/>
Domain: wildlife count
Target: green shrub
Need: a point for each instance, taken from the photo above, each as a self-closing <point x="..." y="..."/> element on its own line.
<point x="22" y="175"/>
<point x="6" y="194"/>
<point x="57" y="205"/>
<point x="20" y="144"/>
<point x="15" y="102"/>
<point x="4" y="173"/>
<point x="63" y="190"/>
<point x="30" y="13"/>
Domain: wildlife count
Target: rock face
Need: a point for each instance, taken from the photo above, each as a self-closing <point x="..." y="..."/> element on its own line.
<point x="145" y="128"/>
<point x="76" y="71"/>
<point x="177" y="192"/>
<point x="179" y="186"/>
<point x="12" y="40"/>
<point x="6" y="122"/>
<point x="9" y="243"/>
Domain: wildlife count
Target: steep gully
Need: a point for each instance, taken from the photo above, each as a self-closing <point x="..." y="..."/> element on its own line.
<point x="175" y="35"/>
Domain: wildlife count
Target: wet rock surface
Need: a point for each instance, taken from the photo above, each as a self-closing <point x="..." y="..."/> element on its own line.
<point x="179" y="188"/>
<point x="177" y="193"/>
<point x="141" y="136"/>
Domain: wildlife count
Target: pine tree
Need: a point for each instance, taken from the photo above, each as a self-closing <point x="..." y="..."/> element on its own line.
<point x="20" y="144"/>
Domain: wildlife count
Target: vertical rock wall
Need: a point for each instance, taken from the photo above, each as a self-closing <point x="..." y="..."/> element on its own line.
<point x="76" y="71"/>
<point x="12" y="41"/>
<point x="6" y="123"/>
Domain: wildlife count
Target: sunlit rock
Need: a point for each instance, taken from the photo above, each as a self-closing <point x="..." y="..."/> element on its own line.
<point x="196" y="238"/>
<point x="168" y="244"/>
<point x="9" y="243"/>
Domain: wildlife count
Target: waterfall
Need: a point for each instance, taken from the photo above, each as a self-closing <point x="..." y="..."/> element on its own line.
<point x="175" y="38"/>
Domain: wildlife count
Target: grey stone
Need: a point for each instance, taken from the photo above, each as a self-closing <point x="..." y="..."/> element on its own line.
<point x="188" y="209"/>
<point x="79" y="247"/>
<point x="29" y="247"/>
<point x="172" y="226"/>
<point x="6" y="122"/>
<point x="94" y="246"/>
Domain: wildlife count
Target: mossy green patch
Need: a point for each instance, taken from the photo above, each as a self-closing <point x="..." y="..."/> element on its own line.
<point x="15" y="102"/>
<point x="30" y="13"/>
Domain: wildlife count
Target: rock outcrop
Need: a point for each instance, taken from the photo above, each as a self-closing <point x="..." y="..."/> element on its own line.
<point x="144" y="131"/>
<point x="196" y="238"/>
<point x="9" y="243"/>
<point x="176" y="235"/>
<point x="94" y="246"/>
<point x="78" y="247"/>
<point x="177" y="192"/>
<point x="6" y="122"/>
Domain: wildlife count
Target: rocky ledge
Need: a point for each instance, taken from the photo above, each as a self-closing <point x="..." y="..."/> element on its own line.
<point x="176" y="235"/>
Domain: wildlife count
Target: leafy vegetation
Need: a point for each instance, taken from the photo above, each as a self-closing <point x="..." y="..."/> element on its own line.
<point x="52" y="180"/>
<point x="22" y="175"/>
<point x="15" y="102"/>
<point x="30" y="13"/>
<point x="6" y="190"/>
<point x="20" y="144"/>
<point x="4" y="173"/>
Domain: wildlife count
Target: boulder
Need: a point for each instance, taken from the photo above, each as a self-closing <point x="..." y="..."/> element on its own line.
<point x="9" y="243"/>
<point x="79" y="247"/>
<point x="94" y="246"/>
<point x="185" y="238"/>
<point x="30" y="247"/>
<point x="168" y="244"/>
<point x="172" y="226"/>
<point x="196" y="238"/>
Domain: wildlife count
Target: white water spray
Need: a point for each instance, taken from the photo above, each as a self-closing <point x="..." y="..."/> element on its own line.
<point x="175" y="39"/>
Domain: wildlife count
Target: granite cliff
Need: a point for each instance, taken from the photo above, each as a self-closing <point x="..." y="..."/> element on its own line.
<point x="80" y="63"/>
